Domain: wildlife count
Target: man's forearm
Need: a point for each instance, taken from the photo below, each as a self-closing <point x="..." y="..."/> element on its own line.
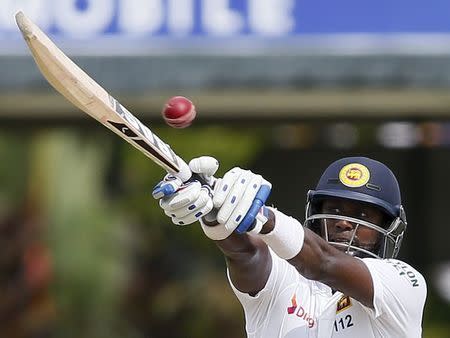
<point x="310" y="256"/>
<point x="237" y="246"/>
<point x="248" y="260"/>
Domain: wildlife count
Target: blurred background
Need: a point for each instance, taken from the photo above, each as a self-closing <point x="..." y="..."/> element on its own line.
<point x="282" y="87"/>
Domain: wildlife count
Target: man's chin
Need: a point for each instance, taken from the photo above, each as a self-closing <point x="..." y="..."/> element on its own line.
<point x="342" y="246"/>
<point x="356" y="250"/>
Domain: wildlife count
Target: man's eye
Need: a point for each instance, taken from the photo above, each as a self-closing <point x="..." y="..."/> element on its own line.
<point x="334" y="211"/>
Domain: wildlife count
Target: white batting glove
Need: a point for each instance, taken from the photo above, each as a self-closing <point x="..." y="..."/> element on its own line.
<point x="186" y="203"/>
<point x="239" y="198"/>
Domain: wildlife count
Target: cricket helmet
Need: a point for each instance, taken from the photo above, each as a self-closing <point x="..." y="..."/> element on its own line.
<point x="370" y="182"/>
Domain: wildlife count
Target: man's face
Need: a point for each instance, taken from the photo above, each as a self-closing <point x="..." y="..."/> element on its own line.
<point x="342" y="231"/>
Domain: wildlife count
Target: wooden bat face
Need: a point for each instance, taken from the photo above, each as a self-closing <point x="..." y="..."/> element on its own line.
<point x="86" y="94"/>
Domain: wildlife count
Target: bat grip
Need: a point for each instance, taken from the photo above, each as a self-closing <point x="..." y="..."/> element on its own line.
<point x="204" y="180"/>
<point x="184" y="172"/>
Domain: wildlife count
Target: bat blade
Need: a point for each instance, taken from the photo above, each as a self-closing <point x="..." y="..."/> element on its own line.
<point x="87" y="95"/>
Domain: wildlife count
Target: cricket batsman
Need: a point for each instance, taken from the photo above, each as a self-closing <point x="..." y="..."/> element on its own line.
<point x="334" y="276"/>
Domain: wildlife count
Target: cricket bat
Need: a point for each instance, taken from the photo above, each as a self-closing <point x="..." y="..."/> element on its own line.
<point x="86" y="94"/>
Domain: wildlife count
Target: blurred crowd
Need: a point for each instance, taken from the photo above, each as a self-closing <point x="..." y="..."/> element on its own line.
<point x="26" y="306"/>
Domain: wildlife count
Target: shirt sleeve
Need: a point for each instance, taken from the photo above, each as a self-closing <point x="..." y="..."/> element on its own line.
<point x="399" y="294"/>
<point x="283" y="279"/>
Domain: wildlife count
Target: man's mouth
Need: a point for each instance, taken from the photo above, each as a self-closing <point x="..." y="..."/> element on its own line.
<point x="343" y="240"/>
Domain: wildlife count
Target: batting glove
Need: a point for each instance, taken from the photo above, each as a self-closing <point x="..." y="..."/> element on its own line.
<point x="186" y="203"/>
<point x="239" y="199"/>
<point x="236" y="203"/>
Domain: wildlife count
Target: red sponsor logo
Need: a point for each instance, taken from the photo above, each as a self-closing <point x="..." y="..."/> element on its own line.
<point x="291" y="309"/>
<point x="300" y="312"/>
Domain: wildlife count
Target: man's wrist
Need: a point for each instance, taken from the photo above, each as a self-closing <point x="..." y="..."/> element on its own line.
<point x="270" y="224"/>
<point x="284" y="234"/>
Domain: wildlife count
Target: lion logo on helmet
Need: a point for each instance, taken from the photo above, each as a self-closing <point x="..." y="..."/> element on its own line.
<point x="354" y="175"/>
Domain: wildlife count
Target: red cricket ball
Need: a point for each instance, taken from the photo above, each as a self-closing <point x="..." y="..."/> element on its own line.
<point x="179" y="112"/>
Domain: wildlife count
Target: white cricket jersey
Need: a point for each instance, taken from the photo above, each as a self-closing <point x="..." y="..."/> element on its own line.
<point x="292" y="306"/>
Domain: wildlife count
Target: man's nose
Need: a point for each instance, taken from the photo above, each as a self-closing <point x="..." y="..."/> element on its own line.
<point x="344" y="225"/>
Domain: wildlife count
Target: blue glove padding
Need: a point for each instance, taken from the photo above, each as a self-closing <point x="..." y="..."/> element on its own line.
<point x="164" y="188"/>
<point x="249" y="219"/>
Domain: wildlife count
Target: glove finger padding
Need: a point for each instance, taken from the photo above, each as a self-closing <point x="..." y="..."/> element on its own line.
<point x="239" y="199"/>
<point x="247" y="200"/>
<point x="234" y="196"/>
<point x="188" y="204"/>
<point x="186" y="194"/>
<point x="201" y="201"/>
<point x="237" y="185"/>
<point x="195" y="215"/>
<point x="224" y="186"/>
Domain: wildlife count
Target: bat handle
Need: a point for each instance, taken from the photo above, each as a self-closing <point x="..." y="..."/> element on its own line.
<point x="184" y="173"/>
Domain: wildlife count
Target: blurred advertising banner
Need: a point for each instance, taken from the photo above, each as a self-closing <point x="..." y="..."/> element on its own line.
<point x="148" y="26"/>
